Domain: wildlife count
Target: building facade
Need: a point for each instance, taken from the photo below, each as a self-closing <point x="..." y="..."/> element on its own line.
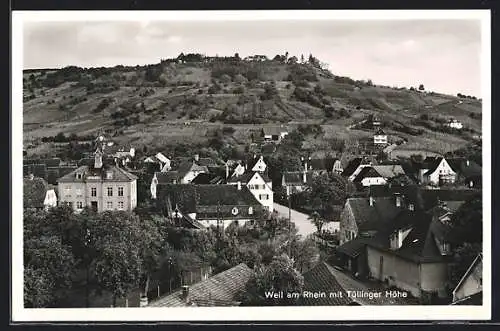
<point x="101" y="187"/>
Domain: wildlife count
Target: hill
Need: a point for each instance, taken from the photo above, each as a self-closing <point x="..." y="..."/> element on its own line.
<point x="186" y="100"/>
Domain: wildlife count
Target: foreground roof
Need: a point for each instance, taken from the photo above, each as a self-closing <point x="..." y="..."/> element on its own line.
<point x="219" y="290"/>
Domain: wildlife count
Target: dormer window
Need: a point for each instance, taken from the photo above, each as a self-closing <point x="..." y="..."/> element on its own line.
<point x="250" y="210"/>
<point x="79" y="175"/>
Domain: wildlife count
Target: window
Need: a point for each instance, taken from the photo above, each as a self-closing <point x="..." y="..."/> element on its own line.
<point x="109" y="205"/>
<point x="79" y="205"/>
<point x="120" y="191"/>
<point x="120" y="204"/>
<point x="263" y="196"/>
<point x="250" y="210"/>
<point x="93" y="191"/>
<point x="67" y="190"/>
<point x="78" y="176"/>
<point x="78" y="192"/>
<point x="110" y="191"/>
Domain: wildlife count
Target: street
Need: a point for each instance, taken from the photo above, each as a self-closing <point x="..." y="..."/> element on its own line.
<point x="304" y="226"/>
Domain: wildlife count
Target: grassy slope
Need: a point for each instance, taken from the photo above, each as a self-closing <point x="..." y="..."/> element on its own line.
<point x="171" y="106"/>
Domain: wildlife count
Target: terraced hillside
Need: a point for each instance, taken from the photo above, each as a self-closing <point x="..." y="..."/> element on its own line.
<point x="173" y="102"/>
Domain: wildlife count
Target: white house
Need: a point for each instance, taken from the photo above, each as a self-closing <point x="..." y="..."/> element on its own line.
<point x="259" y="165"/>
<point x="436" y="171"/>
<point x="455" y="124"/>
<point x="50" y="199"/>
<point x="184" y="175"/>
<point x="380" y="137"/>
<point x="259" y="185"/>
<point x="162" y="160"/>
<point x="274" y="134"/>
<point x="378" y="175"/>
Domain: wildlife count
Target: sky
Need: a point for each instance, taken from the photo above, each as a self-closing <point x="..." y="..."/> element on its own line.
<point x="444" y="55"/>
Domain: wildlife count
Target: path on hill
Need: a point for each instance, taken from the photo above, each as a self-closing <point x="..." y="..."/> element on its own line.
<point x="304" y="226"/>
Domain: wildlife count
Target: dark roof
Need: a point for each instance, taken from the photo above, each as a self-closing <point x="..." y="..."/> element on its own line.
<point x="431" y="163"/>
<point x="380" y="132"/>
<point x="319" y="164"/>
<point x="420" y="243"/>
<point x="219" y="290"/>
<point x="208" y="200"/>
<point x="325" y="278"/>
<point x="118" y="174"/>
<point x="169" y="177"/>
<point x="202" y="161"/>
<point x="432" y="197"/>
<point x="53" y="174"/>
<point x="205" y="178"/>
<point x="352" y="248"/>
<point x="321" y="279"/>
<point x="34" y="191"/>
<point x="352" y="166"/>
<point x="274" y="130"/>
<point x="297" y="178"/>
<point x="459" y="165"/>
<point x="370" y="218"/>
<point x="384" y="171"/>
<point x="247" y="176"/>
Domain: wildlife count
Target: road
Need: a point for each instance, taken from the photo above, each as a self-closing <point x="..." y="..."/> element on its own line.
<point x="304" y="226"/>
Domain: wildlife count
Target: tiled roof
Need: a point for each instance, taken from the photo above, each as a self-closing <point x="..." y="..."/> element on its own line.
<point x="169" y="177"/>
<point x="419" y="245"/>
<point x="389" y="171"/>
<point x="208" y="200"/>
<point x="431" y="163"/>
<point x="432" y="197"/>
<point x="373" y="217"/>
<point x="459" y="165"/>
<point x="34" y="191"/>
<point x="321" y="279"/>
<point x="245" y="178"/>
<point x="352" y="248"/>
<point x="297" y="178"/>
<point x="118" y="174"/>
<point x="219" y="290"/>
<point x="204" y="178"/>
<point x="352" y="166"/>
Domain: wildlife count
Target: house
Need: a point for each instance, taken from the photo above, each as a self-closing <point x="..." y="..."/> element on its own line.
<point x="100" y="186"/>
<point x="377" y="174"/>
<point x="222" y="289"/>
<point x="256" y="58"/>
<point x="337" y="167"/>
<point x="296" y="181"/>
<point x="274" y="133"/>
<point x="436" y="171"/>
<point x="184" y="174"/>
<point x="163" y="161"/>
<point x="455" y="124"/>
<point x="412" y="254"/>
<point x="354" y="167"/>
<point x="208" y="205"/>
<point x="259" y="184"/>
<point x="234" y="168"/>
<point x="121" y="153"/>
<point x="257" y="164"/>
<point x="37" y="194"/>
<point x="363" y="217"/>
<point x="468" y="172"/>
<point x="469" y="289"/>
<point x="380" y="137"/>
<point x="325" y="285"/>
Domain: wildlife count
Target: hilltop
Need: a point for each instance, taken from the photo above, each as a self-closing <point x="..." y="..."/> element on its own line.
<point x="191" y="98"/>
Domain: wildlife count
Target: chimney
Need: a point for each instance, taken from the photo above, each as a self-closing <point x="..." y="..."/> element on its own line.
<point x="304" y="177"/>
<point x="197" y="157"/>
<point x="185" y="292"/>
<point x="372" y="201"/>
<point x="239" y="186"/>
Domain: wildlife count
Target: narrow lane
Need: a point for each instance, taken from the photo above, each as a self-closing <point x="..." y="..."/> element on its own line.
<point x="304" y="226"/>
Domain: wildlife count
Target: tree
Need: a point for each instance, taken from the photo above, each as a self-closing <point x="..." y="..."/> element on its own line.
<point x="302" y="60"/>
<point x="421" y="87"/>
<point x="317" y="220"/>
<point x="305" y="254"/>
<point x="292" y="60"/>
<point x="280" y="275"/>
<point x="38" y="288"/>
<point x="326" y="191"/>
<point x="237" y="56"/>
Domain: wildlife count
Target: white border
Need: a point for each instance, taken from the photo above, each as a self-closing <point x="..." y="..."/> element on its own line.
<point x="337" y="313"/>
